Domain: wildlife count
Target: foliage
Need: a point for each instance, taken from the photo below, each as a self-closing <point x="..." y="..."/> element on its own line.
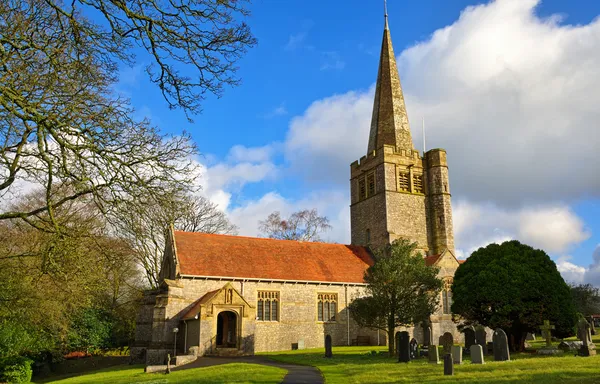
<point x="304" y="225"/>
<point x="586" y="298"/>
<point x="514" y="287"/>
<point x="402" y="290"/>
<point x="90" y="329"/>
<point x="15" y="369"/>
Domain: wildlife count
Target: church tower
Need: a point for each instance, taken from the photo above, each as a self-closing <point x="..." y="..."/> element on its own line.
<point x="396" y="192"/>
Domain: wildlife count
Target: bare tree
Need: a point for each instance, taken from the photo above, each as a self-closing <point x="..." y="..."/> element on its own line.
<point x="305" y="225"/>
<point x="61" y="123"/>
<point x="145" y="227"/>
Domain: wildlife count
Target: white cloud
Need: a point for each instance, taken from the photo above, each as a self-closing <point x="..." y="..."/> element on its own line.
<point x="295" y="41"/>
<point x="240" y="153"/>
<point x="572" y="273"/>
<point x="592" y="273"/>
<point x="332" y="60"/>
<point x="276" y="112"/>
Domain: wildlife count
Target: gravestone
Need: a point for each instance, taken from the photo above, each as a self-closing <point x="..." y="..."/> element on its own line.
<point x="448" y="365"/>
<point x="301" y="344"/>
<point x="427" y="335"/>
<point x="477" y="354"/>
<point x="469" y="337"/>
<point x="548" y="349"/>
<point x="414" y="349"/>
<point x="447" y="341"/>
<point x="457" y="352"/>
<point x="434" y="354"/>
<point x="530" y="337"/>
<point x="397" y="341"/>
<point x="568" y="346"/>
<point x="480" y="337"/>
<point x="592" y="326"/>
<point x="403" y="347"/>
<point x="328" y="352"/>
<point x="501" y="352"/>
<point x="585" y="335"/>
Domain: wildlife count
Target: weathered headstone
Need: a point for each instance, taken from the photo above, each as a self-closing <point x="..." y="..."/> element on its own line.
<point x="447" y="341"/>
<point x="301" y="344"/>
<point x="414" y="349"/>
<point x="469" y="336"/>
<point x="427" y="336"/>
<point x="457" y="352"/>
<point x="397" y="345"/>
<point x="477" y="354"/>
<point x="501" y="352"/>
<point x="585" y="335"/>
<point x="404" y="347"/>
<point x="434" y="354"/>
<point x="328" y="352"/>
<point x="448" y="365"/>
<point x="568" y="346"/>
<point x="548" y="349"/>
<point x="480" y="337"/>
<point x="592" y="326"/>
<point x="530" y="337"/>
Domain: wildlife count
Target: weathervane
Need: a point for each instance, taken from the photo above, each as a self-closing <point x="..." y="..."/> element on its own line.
<point x="385" y="13"/>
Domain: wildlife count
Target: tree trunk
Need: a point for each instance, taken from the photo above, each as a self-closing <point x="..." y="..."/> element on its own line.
<point x="391" y="338"/>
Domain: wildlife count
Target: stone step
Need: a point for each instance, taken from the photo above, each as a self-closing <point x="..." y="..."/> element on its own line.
<point x="227" y="352"/>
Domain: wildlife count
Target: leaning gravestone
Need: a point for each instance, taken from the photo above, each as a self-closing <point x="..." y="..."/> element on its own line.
<point x="447" y="341"/>
<point x="404" y="347"/>
<point x="530" y="337"/>
<point x="469" y="337"/>
<point x="592" y="326"/>
<point x="584" y="334"/>
<point x="457" y="352"/>
<point x="477" y="354"/>
<point x="328" y="352"/>
<point x="414" y="349"/>
<point x="434" y="354"/>
<point x="480" y="337"/>
<point x="501" y="352"/>
<point x="448" y="365"/>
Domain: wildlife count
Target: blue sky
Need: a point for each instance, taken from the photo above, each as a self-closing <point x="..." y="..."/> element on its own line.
<point x="509" y="88"/>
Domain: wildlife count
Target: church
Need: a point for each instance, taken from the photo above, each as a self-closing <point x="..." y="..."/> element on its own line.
<point x="235" y="295"/>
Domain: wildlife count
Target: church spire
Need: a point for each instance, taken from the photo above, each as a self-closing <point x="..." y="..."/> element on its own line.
<point x="389" y="124"/>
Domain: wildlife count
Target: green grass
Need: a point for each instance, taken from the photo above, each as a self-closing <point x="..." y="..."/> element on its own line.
<point x="358" y="365"/>
<point x="226" y="373"/>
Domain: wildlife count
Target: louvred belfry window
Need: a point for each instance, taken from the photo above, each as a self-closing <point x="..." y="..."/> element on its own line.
<point x="403" y="181"/>
<point x="362" y="189"/>
<point x="267" y="307"/>
<point x="418" y="183"/>
<point x="326" y="306"/>
<point x="371" y="184"/>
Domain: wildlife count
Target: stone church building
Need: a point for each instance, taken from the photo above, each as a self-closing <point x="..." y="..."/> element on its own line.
<point x="228" y="295"/>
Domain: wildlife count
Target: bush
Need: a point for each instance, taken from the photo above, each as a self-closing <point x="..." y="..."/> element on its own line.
<point x="15" y="369"/>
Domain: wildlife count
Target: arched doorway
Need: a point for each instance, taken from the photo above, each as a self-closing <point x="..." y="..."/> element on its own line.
<point x="227" y="330"/>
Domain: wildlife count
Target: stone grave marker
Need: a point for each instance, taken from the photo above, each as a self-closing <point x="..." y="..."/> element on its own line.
<point x="397" y="345"/>
<point x="403" y="347"/>
<point x="434" y="354"/>
<point x="530" y="337"/>
<point x="592" y="325"/>
<point x="585" y="335"/>
<point x="480" y="337"/>
<point x="477" y="354"/>
<point x="427" y="336"/>
<point x="457" y="352"/>
<point x="469" y="337"/>
<point x="448" y="365"/>
<point x="414" y="349"/>
<point x="447" y="341"/>
<point x="548" y="349"/>
<point x="501" y="352"/>
<point x="328" y="352"/>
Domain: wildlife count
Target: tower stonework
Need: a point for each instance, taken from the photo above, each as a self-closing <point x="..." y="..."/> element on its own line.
<point x="396" y="192"/>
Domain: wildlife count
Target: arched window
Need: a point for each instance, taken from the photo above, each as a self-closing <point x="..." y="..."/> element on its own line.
<point x="267" y="308"/>
<point x="326" y="306"/>
<point x="447" y="297"/>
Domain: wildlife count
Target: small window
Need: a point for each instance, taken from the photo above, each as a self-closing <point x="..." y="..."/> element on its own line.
<point x="368" y="237"/>
<point x="326" y="306"/>
<point x="267" y="308"/>
<point x="446" y="187"/>
<point x="404" y="182"/>
<point x="445" y="307"/>
<point x="371" y="184"/>
<point x="362" y="189"/>
<point x="418" y="183"/>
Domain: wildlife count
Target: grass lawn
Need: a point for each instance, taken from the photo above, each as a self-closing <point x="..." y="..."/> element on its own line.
<point x="359" y="365"/>
<point x="226" y="373"/>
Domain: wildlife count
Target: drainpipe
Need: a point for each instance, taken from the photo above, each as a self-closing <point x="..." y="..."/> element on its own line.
<point x="347" y="313"/>
<point x="185" y="338"/>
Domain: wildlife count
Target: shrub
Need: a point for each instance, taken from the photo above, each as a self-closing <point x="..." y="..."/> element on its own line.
<point x="16" y="369"/>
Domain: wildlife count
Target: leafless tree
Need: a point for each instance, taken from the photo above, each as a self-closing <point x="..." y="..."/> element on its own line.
<point x="304" y="225"/>
<point x="61" y="122"/>
<point x="144" y="227"/>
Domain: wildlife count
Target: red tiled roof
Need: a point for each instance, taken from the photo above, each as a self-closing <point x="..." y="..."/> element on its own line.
<point x="430" y="260"/>
<point x="461" y="261"/>
<point x="193" y="311"/>
<point x="202" y="254"/>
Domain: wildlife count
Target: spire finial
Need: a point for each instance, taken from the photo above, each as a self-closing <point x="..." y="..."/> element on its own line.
<point x="385" y="13"/>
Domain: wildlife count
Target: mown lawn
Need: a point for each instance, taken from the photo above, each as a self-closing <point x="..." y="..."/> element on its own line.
<point x="360" y="365"/>
<point x="226" y="373"/>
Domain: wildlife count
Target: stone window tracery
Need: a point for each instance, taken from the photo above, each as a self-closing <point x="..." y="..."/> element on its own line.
<point x="326" y="306"/>
<point x="267" y="308"/>
<point x="447" y="297"/>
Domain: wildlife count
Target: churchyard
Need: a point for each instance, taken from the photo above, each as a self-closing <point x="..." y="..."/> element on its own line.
<point x="373" y="365"/>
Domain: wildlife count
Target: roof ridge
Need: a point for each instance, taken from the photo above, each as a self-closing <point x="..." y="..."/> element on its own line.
<point x="263" y="238"/>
